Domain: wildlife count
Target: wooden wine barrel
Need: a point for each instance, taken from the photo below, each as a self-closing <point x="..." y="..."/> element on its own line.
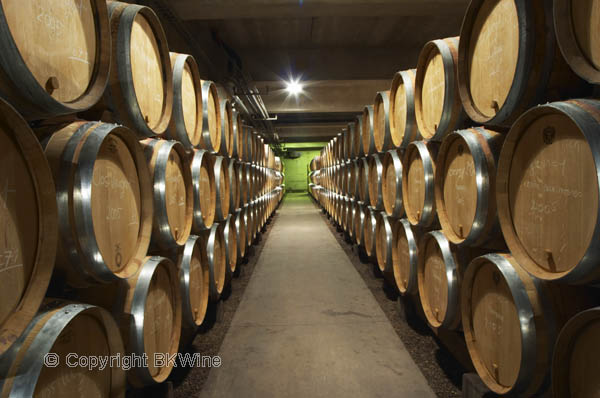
<point x="140" y="88"/>
<point x="351" y="213"/>
<point x="547" y="191"/>
<point x="403" y="122"/>
<point x="234" y="187"/>
<point x="170" y="172"/>
<point x="418" y="190"/>
<point x="347" y="212"/>
<point x="148" y="307"/>
<point x="438" y="109"/>
<point x="59" y="330"/>
<point x="55" y="58"/>
<point x="382" y="133"/>
<point x="249" y="221"/>
<point x="384" y="231"/>
<point x="152" y="295"/>
<point x="353" y="178"/>
<point x="240" y="227"/>
<point x="344" y="145"/>
<point x="344" y="177"/>
<point x="243" y="132"/>
<point x="391" y="183"/>
<point x="574" y="22"/>
<point x="465" y="186"/>
<point x="439" y="275"/>
<point x="226" y="147"/>
<point x="238" y="126"/>
<point x="231" y="243"/>
<point x="204" y="190"/>
<point x="221" y="170"/>
<point x="367" y="130"/>
<point x="504" y="72"/>
<point x="405" y="257"/>
<point x="575" y="349"/>
<point x="211" y="117"/>
<point x="356" y="127"/>
<point x="369" y="234"/>
<point x="104" y="195"/>
<point x="28" y="225"/>
<point x="186" y="121"/>
<point x="244" y="183"/>
<point x="215" y="255"/>
<point x="375" y="183"/>
<point x="337" y="142"/>
<point x="359" y="223"/>
<point x="511" y="320"/>
<point x="193" y="282"/>
<point x="363" y="179"/>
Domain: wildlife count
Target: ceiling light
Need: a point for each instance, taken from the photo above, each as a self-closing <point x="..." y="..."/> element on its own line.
<point x="294" y="87"/>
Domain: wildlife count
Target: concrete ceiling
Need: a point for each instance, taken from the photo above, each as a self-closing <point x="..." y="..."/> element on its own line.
<point x="344" y="51"/>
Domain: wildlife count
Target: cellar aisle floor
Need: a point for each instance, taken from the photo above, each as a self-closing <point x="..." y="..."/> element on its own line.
<point x="308" y="326"/>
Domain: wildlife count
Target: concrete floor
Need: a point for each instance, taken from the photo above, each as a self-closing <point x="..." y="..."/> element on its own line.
<point x="308" y="326"/>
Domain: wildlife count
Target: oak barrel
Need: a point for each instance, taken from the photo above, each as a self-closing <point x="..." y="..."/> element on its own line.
<point x="170" y="172"/>
<point x="55" y="56"/>
<point x="193" y="282"/>
<point x="140" y="88"/>
<point x="369" y="228"/>
<point x="367" y="130"/>
<point x="69" y="333"/>
<point x="403" y="123"/>
<point x="508" y="59"/>
<point x="153" y="311"/>
<point x="575" y="22"/>
<point x="221" y="170"/>
<point x="234" y="184"/>
<point x="375" y="183"/>
<point x="465" y="186"/>
<point x="548" y="189"/>
<point x="439" y="275"/>
<point x="391" y="183"/>
<point x="226" y="147"/>
<point x="231" y="245"/>
<point x="384" y="228"/>
<point x="186" y="121"/>
<point x="575" y="352"/>
<point x="359" y="223"/>
<point x="418" y="190"/>
<point x="363" y="179"/>
<point x="215" y="255"/>
<point x="511" y="320"/>
<point x="240" y="227"/>
<point x="204" y="190"/>
<point x="211" y="117"/>
<point x="405" y="257"/>
<point x="105" y="204"/>
<point x="382" y="134"/>
<point x="438" y="108"/>
<point x="356" y="128"/>
<point x="148" y="310"/>
<point x="238" y="127"/>
<point x="28" y="225"/>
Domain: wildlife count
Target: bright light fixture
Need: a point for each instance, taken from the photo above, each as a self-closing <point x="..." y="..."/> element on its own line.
<point x="294" y="87"/>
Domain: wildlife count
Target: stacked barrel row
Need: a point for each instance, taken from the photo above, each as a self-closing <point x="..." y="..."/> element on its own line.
<point x="138" y="220"/>
<point x="477" y="203"/>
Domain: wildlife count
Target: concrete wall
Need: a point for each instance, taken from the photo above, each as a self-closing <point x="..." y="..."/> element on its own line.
<point x="296" y="174"/>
